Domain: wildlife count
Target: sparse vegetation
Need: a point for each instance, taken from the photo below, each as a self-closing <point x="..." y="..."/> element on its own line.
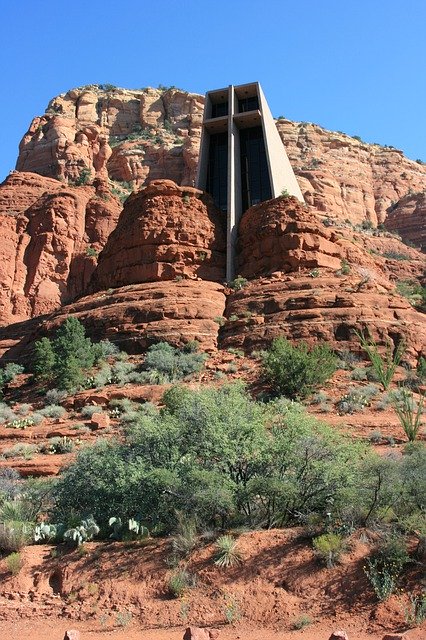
<point x="238" y="283"/>
<point x="409" y="413"/>
<point x="14" y="563"/>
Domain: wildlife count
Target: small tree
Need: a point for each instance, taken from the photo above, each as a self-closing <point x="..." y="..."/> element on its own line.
<point x="44" y="359"/>
<point x="296" y="370"/>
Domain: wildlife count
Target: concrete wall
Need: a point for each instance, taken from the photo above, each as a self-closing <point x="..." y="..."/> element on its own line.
<point x="281" y="173"/>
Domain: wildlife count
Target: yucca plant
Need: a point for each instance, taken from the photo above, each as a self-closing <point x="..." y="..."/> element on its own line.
<point x="384" y="366"/>
<point x="409" y="413"/>
<point x="227" y="553"/>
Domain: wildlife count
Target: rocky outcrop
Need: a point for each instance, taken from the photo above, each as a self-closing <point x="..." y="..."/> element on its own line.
<point x="408" y="219"/>
<point x="125" y="135"/>
<point x="323" y="306"/>
<point x="142" y="135"/>
<point x="51" y="235"/>
<point x="283" y="235"/>
<point x="164" y="232"/>
<point x="346" y="178"/>
<point x="137" y="316"/>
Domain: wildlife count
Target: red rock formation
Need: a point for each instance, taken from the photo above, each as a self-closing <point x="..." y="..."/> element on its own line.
<point x="88" y="128"/>
<point x="164" y="232"/>
<point x="346" y="178"/>
<point x="136" y="316"/>
<point x="408" y="218"/>
<point x="328" y="308"/>
<point x="48" y="228"/>
<point x="282" y="235"/>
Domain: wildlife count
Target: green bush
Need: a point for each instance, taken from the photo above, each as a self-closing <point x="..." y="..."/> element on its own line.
<point x="66" y="358"/>
<point x="218" y="458"/>
<point x="296" y="371"/>
<point x="8" y="374"/>
<point x="329" y="548"/>
<point x="238" y="283"/>
<point x="179" y="582"/>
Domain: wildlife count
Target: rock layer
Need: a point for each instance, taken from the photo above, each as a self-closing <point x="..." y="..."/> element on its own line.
<point x="327" y="308"/>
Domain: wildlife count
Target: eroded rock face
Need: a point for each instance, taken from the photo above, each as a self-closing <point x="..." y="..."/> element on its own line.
<point x="47" y="229"/>
<point x="408" y="218"/>
<point x="283" y="235"/>
<point x="89" y="128"/>
<point x="326" y="308"/>
<point x="164" y="232"/>
<point x="136" y="316"/>
<point x="346" y="178"/>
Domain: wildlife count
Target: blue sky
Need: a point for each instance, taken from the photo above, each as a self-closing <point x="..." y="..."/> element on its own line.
<point x="355" y="66"/>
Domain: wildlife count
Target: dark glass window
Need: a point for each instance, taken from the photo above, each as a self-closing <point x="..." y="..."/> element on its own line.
<point x="220" y="109"/>
<point x="248" y="104"/>
<point x="255" y="182"/>
<point x="217" y="172"/>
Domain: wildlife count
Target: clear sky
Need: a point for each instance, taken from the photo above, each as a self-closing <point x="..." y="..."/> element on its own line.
<point x="358" y="66"/>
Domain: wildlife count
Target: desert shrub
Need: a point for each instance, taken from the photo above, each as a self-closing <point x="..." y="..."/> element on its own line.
<point x="302" y="621"/>
<point x="23" y="409"/>
<point x="14" y="563"/>
<point x="26" y="451"/>
<point x="53" y="411"/>
<point x="8" y="374"/>
<point x="238" y="283"/>
<point x="83" y="178"/>
<point x="227" y="552"/>
<point x="179" y="582"/>
<point x="10" y="485"/>
<point x="219" y="457"/>
<point x="89" y="410"/>
<point x="385" y="566"/>
<point x="329" y="548"/>
<point x="413" y="291"/>
<point x="357" y="399"/>
<point x="6" y="414"/>
<point x="14" y="535"/>
<point x="58" y="445"/>
<point x="384" y="366"/>
<point x="104" y="349"/>
<point x="173" y="363"/>
<point x="295" y="371"/>
<point x="55" y="396"/>
<point x="185" y="538"/>
<point x="359" y="373"/>
<point x="415" y="614"/>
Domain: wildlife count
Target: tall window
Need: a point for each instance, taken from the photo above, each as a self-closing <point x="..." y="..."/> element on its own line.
<point x="217" y="172"/>
<point x="248" y="104"/>
<point x="255" y="183"/>
<point x="220" y="109"/>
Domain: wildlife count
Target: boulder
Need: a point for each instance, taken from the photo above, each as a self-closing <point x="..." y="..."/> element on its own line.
<point x="99" y="421"/>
